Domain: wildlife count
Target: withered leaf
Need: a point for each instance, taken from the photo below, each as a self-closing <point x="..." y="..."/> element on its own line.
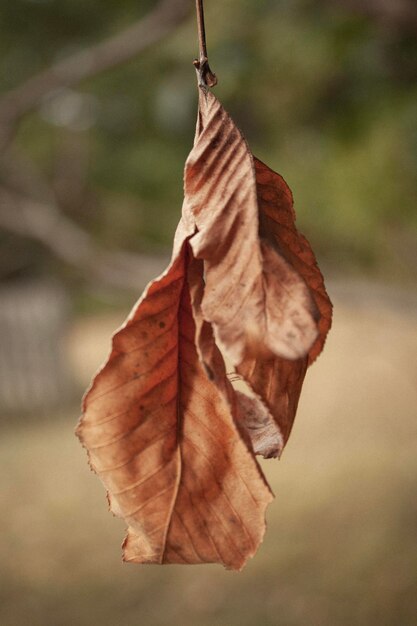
<point x="163" y="440"/>
<point x="253" y="417"/>
<point x="277" y="225"/>
<point x="171" y="439"/>
<point x="254" y="299"/>
<point x="278" y="381"/>
<point x="264" y="294"/>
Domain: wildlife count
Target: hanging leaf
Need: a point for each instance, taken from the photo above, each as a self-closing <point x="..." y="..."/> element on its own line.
<point x="251" y="414"/>
<point x="172" y="440"/>
<point x="164" y="442"/>
<point x="264" y="294"/>
<point x="253" y="298"/>
<point x="276" y="380"/>
<point x="277" y="225"/>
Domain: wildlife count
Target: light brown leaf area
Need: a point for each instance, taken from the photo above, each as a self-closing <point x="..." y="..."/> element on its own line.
<point x="171" y="439"/>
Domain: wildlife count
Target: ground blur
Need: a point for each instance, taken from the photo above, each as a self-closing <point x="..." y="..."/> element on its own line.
<point x="340" y="548"/>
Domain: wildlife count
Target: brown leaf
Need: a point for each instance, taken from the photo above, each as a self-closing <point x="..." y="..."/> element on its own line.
<point x="162" y="438"/>
<point x="254" y="299"/>
<point x="277" y="225"/>
<point x="251" y="414"/>
<point x="278" y="381"/>
<point x="263" y="294"/>
<point x="172" y="440"/>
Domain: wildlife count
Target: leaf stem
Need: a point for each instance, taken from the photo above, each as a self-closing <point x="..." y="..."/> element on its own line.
<point x="206" y="77"/>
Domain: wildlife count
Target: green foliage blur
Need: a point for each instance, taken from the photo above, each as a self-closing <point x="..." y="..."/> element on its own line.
<point x="325" y="95"/>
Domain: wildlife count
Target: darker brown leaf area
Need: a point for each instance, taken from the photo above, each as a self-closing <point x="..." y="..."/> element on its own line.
<point x="278" y="381"/>
<point x="277" y="225"/>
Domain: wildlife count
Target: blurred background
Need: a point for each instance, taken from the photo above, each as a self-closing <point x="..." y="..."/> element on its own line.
<point x="97" y="115"/>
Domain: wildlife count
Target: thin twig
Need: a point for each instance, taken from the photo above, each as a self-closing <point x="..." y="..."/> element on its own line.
<point x="206" y="77"/>
<point x="201" y="29"/>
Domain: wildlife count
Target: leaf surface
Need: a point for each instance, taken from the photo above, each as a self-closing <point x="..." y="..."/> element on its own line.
<point x="254" y="299"/>
<point x="264" y="294"/>
<point x="277" y="225"/>
<point x="278" y="381"/>
<point x="251" y="415"/>
<point x="172" y="440"/>
<point x="162" y="438"/>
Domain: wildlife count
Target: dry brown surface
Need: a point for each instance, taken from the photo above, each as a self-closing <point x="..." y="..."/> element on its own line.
<point x="340" y="547"/>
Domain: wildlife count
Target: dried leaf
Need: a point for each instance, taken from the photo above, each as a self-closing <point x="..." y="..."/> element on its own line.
<point x="251" y="414"/>
<point x="164" y="442"/>
<point x="172" y="440"/>
<point x="253" y="298"/>
<point x="277" y="225"/>
<point x="264" y="294"/>
<point x="277" y="381"/>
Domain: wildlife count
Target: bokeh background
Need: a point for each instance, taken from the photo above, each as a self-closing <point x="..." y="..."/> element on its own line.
<point x="97" y="114"/>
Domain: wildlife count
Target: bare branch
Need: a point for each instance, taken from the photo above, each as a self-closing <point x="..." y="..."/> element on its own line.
<point x="90" y="62"/>
<point x="69" y="243"/>
<point x="28" y="209"/>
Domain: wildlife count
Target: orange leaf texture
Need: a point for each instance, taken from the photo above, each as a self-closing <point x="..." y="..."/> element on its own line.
<point x="172" y="440"/>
